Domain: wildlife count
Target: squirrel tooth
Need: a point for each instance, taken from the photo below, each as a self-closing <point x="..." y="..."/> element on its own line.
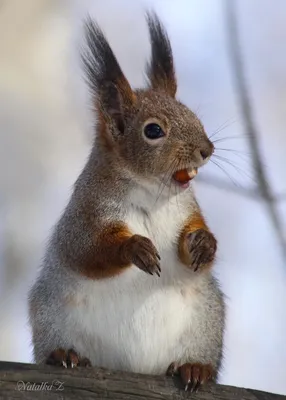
<point x="192" y="172"/>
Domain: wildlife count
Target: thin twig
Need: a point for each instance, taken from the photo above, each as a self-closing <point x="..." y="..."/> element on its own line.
<point x="247" y="115"/>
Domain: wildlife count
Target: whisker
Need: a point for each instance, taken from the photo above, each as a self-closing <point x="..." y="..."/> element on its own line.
<point x="176" y="189"/>
<point x="226" y="173"/>
<point x="241" y="154"/>
<point x="197" y="111"/>
<point x="171" y="169"/>
<point x="222" y="127"/>
<point x="229" y="138"/>
<point x="170" y="185"/>
<point x="245" y="157"/>
<point x="236" y="167"/>
<point x="235" y="151"/>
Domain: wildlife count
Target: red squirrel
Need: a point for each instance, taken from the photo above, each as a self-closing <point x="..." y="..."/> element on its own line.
<point x="126" y="281"/>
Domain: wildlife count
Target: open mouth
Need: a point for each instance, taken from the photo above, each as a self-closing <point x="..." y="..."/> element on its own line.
<point x="184" y="176"/>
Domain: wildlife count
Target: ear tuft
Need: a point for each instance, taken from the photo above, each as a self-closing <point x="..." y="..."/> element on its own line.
<point x="104" y="76"/>
<point x="160" y="70"/>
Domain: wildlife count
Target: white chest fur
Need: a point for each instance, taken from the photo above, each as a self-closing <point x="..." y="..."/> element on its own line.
<point x="136" y="321"/>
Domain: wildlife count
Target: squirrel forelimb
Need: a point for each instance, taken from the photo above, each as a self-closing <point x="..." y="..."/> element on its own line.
<point x="197" y="245"/>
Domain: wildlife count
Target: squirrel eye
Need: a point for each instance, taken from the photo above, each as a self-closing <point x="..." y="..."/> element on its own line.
<point x="153" y="131"/>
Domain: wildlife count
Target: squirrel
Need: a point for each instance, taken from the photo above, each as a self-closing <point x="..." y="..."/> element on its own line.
<point x="126" y="281"/>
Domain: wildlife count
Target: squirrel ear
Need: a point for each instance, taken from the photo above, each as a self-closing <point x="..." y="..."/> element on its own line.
<point x="105" y="78"/>
<point x="160" y="69"/>
<point x="111" y="105"/>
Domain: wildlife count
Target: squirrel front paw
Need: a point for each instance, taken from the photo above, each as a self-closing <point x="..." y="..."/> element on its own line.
<point x="140" y="251"/>
<point x="201" y="246"/>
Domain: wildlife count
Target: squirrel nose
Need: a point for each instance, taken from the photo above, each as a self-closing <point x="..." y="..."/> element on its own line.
<point x="204" y="154"/>
<point x="207" y="151"/>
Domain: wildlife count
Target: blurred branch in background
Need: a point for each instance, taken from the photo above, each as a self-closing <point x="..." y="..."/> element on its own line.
<point x="240" y="81"/>
<point x="251" y="193"/>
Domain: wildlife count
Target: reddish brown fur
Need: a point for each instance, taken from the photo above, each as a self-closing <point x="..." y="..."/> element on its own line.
<point x="195" y="222"/>
<point x="192" y="375"/>
<point x="69" y="359"/>
<point x="109" y="258"/>
<point x="168" y="86"/>
<point x="128" y="96"/>
<point x="105" y="139"/>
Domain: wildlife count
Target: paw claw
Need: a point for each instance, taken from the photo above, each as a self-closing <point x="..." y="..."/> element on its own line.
<point x="142" y="252"/>
<point x="194" y="375"/>
<point x="193" y="387"/>
<point x="66" y="359"/>
<point x="201" y="246"/>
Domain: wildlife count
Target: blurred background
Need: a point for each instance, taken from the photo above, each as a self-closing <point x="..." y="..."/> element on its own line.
<point x="231" y="65"/>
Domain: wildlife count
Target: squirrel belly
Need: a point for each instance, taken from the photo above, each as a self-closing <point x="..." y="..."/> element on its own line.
<point x="134" y="321"/>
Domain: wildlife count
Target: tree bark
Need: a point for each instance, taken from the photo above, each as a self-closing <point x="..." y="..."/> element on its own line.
<point x="30" y="381"/>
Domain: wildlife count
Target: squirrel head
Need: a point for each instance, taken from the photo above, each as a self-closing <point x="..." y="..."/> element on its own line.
<point x="153" y="134"/>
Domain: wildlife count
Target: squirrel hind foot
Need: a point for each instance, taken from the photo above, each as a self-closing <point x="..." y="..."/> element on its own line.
<point x="192" y="375"/>
<point x="67" y="359"/>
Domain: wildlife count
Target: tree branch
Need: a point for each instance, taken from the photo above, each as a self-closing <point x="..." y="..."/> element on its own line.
<point x="30" y="381"/>
<point x="247" y="115"/>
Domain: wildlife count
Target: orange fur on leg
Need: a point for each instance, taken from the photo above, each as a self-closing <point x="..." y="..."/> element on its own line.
<point x="108" y="258"/>
<point x="197" y="245"/>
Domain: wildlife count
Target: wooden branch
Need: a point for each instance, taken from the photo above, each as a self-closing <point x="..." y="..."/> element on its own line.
<point x="30" y="381"/>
